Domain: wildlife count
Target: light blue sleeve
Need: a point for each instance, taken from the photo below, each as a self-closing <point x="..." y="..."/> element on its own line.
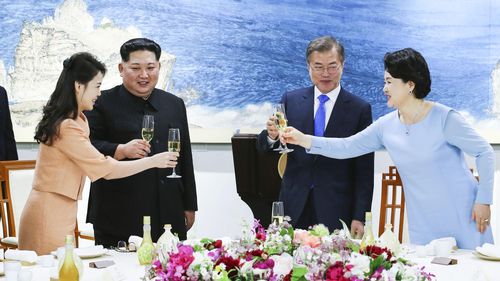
<point x="361" y="143"/>
<point x="460" y="134"/>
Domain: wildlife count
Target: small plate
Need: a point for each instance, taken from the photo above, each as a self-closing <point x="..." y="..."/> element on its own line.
<point x="485" y="257"/>
<point x="91" y="254"/>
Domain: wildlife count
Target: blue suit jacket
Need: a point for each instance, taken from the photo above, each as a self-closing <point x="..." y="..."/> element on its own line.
<point x="8" y="150"/>
<point x="343" y="189"/>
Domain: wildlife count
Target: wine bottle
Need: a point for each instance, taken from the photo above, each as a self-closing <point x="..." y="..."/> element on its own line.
<point x="69" y="270"/>
<point x="368" y="237"/>
<point x="145" y="251"/>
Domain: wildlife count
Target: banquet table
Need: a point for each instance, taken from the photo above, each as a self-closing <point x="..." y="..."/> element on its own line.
<point x="469" y="267"/>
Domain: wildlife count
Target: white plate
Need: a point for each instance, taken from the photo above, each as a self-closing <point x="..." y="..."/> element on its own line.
<point x="91" y="254"/>
<point x="485" y="257"/>
<point x="86" y="253"/>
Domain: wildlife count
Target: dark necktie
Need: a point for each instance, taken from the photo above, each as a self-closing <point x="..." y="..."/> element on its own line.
<point x="319" y="119"/>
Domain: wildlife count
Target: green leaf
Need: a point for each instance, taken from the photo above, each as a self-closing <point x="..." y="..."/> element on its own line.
<point x="346" y="229"/>
<point x="298" y="273"/>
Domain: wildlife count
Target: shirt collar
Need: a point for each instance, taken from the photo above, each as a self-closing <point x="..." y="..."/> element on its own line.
<point x="333" y="94"/>
<point x="152" y="100"/>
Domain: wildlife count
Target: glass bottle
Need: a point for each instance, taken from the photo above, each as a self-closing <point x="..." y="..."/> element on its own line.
<point x="368" y="237"/>
<point x="69" y="269"/>
<point x="389" y="240"/>
<point x="167" y="241"/>
<point x="145" y="251"/>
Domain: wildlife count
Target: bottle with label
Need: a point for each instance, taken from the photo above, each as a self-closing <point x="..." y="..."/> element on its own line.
<point x="146" y="250"/>
<point x="389" y="240"/>
<point x="167" y="243"/>
<point x="368" y="237"/>
<point x="69" y="270"/>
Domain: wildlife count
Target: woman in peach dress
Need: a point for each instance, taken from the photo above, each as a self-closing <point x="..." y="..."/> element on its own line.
<point x="66" y="156"/>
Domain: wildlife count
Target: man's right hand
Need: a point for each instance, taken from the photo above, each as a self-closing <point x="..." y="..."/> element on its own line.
<point x="272" y="131"/>
<point x="134" y="149"/>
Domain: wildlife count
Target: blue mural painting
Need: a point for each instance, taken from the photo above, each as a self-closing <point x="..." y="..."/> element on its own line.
<point x="248" y="52"/>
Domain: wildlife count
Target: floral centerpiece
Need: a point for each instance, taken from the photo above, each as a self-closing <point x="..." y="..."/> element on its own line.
<point x="282" y="253"/>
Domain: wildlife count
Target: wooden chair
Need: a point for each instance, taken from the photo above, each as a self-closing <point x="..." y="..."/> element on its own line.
<point x="392" y="199"/>
<point x="17" y="176"/>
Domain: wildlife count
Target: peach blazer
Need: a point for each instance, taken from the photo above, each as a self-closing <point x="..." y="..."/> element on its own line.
<point x="51" y="209"/>
<point x="61" y="168"/>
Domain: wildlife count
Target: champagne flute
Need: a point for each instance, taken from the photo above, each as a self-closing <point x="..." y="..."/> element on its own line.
<point x="281" y="124"/>
<point x="148" y="127"/>
<point x="174" y="145"/>
<point x="277" y="213"/>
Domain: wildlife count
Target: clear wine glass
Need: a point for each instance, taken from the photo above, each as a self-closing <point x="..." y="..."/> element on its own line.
<point x="281" y="124"/>
<point x="277" y="213"/>
<point x="148" y="127"/>
<point x="174" y="145"/>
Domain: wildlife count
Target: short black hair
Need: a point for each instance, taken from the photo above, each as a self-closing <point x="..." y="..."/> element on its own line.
<point x="409" y="65"/>
<point x="325" y="44"/>
<point x="139" y="44"/>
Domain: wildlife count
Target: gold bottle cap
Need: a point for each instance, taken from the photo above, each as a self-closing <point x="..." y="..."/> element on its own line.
<point x="388" y="225"/>
<point x="167" y="225"/>
<point x="147" y="220"/>
<point x="70" y="238"/>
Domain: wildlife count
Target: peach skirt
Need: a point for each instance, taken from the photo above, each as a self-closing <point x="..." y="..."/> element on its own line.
<point x="46" y="219"/>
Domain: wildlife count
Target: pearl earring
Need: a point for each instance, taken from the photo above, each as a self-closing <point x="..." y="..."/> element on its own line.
<point x="410" y="92"/>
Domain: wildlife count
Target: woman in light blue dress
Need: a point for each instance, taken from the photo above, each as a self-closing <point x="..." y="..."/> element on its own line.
<point x="426" y="141"/>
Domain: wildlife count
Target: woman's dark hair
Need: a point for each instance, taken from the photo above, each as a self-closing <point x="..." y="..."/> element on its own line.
<point x="62" y="104"/>
<point x="139" y="44"/>
<point x="409" y="65"/>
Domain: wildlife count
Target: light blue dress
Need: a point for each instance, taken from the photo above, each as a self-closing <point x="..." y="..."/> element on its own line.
<point x="440" y="190"/>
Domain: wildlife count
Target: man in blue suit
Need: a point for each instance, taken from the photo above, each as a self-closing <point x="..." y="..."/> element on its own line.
<point x="8" y="150"/>
<point x="317" y="189"/>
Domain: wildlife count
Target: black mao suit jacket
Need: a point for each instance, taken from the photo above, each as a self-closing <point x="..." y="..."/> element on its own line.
<point x="118" y="206"/>
<point x="343" y="189"/>
<point x="8" y="150"/>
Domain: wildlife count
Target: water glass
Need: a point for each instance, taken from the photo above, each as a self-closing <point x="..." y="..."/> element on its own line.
<point x="277" y="213"/>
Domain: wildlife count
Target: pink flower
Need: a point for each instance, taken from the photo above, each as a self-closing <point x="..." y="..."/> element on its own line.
<point x="304" y="238"/>
<point x="336" y="272"/>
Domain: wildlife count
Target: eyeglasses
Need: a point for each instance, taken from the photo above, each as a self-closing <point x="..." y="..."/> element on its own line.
<point x="124" y="248"/>
<point x="332" y="68"/>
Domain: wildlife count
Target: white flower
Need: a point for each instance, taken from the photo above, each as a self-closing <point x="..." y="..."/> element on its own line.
<point x="360" y="264"/>
<point x="282" y="264"/>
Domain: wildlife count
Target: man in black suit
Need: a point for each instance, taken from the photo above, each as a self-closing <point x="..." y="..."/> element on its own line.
<point x="317" y="189"/>
<point x="116" y="207"/>
<point x="8" y="150"/>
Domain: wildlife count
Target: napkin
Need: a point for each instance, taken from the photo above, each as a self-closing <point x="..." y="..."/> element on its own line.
<point x="136" y="240"/>
<point x="489" y="250"/>
<point x="21" y="255"/>
<point x="430" y="247"/>
<point x="88" y="251"/>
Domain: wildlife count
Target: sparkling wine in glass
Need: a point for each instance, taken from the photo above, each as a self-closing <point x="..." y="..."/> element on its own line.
<point x="174" y="145"/>
<point x="281" y="124"/>
<point x="148" y="127"/>
<point x="277" y="213"/>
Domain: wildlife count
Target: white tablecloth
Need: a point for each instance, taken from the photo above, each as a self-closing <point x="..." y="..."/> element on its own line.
<point x="127" y="267"/>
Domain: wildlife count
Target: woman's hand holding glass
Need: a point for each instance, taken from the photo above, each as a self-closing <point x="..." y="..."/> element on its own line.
<point x="165" y="159"/>
<point x="294" y="136"/>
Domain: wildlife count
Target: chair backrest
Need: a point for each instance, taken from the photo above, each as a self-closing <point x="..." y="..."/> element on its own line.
<point x="18" y="179"/>
<point x="392" y="204"/>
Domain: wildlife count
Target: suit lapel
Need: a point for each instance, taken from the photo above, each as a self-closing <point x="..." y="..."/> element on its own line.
<point x="307" y="107"/>
<point x="339" y="114"/>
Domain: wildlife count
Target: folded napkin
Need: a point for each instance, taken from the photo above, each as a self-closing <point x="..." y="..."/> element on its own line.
<point x="136" y="240"/>
<point x="88" y="251"/>
<point x="489" y="250"/>
<point x="430" y="248"/>
<point x="21" y="255"/>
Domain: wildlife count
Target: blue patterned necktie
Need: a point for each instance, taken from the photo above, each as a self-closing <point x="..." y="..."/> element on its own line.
<point x="319" y="119"/>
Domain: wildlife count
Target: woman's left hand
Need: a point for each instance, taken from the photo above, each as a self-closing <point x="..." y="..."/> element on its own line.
<point x="481" y="214"/>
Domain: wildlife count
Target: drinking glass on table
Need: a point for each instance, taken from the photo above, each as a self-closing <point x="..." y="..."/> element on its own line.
<point x="174" y="145"/>
<point x="277" y="213"/>
<point x="148" y="127"/>
<point x="281" y="123"/>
